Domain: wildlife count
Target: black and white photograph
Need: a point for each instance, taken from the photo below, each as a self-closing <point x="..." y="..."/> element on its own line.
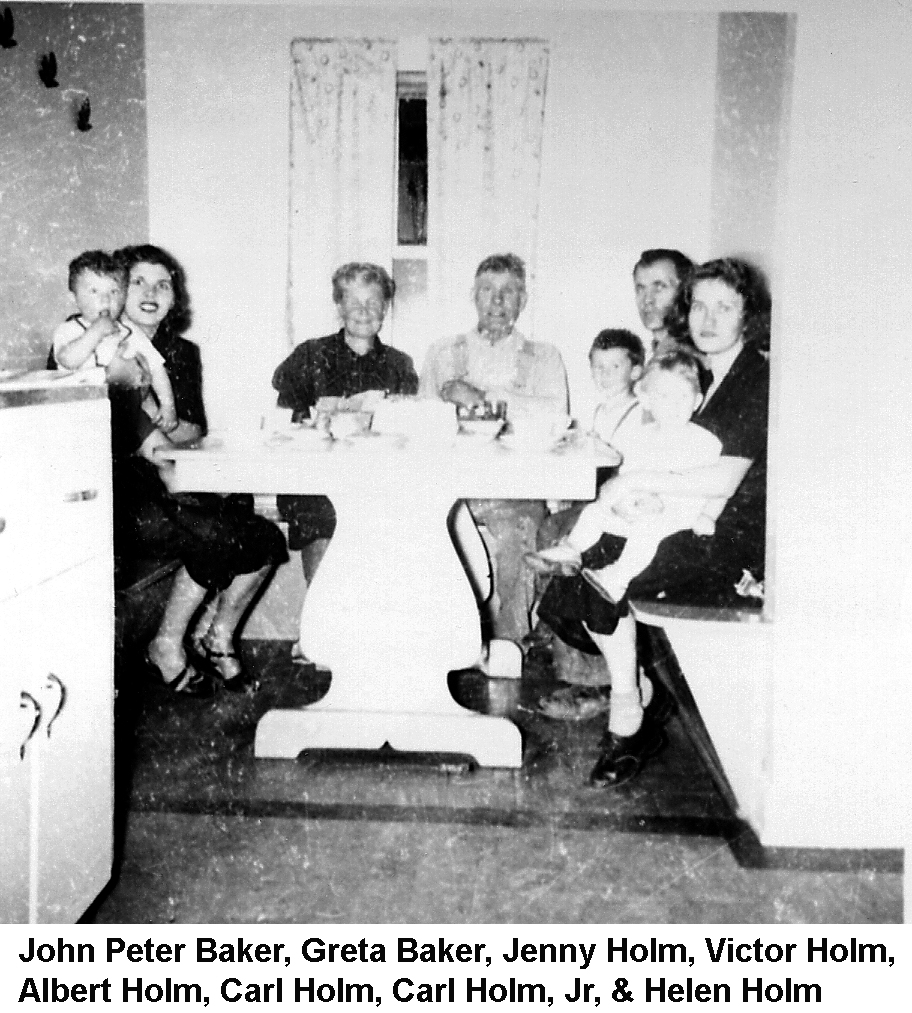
<point x="455" y="465"/>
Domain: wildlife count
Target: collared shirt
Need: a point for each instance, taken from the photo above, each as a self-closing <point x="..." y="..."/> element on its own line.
<point x="327" y="367"/>
<point x="522" y="368"/>
<point x="491" y="363"/>
<point x="718" y="366"/>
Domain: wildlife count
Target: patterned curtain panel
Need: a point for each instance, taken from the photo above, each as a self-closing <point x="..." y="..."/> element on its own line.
<point x="343" y="109"/>
<point x="486" y="108"/>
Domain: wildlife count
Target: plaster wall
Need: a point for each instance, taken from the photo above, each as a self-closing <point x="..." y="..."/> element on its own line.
<point x="624" y="88"/>
<point x="63" y="190"/>
<point x="840" y="451"/>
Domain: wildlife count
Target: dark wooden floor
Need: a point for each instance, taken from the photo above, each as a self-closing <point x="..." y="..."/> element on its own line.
<point x="209" y="834"/>
<point x="197" y="757"/>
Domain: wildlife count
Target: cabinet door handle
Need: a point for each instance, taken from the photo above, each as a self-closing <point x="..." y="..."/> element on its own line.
<point x="80" y="495"/>
<point x="61" y="700"/>
<point x="27" y="700"/>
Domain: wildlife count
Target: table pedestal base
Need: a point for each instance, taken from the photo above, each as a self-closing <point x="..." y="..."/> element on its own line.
<point x="492" y="741"/>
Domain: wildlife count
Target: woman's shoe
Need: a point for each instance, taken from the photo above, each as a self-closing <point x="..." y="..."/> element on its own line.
<point x="623" y="756"/>
<point x="189" y="682"/>
<point x="225" y="666"/>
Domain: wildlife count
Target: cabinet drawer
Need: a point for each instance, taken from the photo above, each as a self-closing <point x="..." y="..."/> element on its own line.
<point x="55" y="490"/>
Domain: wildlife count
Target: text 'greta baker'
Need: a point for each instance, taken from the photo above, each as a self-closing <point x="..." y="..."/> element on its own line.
<point x="207" y="950"/>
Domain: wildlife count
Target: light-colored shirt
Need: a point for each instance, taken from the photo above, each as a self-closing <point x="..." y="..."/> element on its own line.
<point x="126" y="342"/>
<point x="611" y="419"/>
<point x="530" y="374"/>
<point x="646" y="447"/>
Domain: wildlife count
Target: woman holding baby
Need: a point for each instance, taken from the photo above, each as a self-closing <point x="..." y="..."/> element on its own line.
<point x="226" y="550"/>
<point x="722" y="308"/>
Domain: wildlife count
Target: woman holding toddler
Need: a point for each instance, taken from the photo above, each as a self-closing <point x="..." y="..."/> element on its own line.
<point x="226" y="550"/>
<point x="722" y="308"/>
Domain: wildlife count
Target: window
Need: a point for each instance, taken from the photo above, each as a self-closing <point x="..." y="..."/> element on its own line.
<point x="410" y="323"/>
<point x="412" y="159"/>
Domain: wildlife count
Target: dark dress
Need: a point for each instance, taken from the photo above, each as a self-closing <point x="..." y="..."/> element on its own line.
<point x="688" y="568"/>
<point x="216" y="537"/>
<point x="327" y="367"/>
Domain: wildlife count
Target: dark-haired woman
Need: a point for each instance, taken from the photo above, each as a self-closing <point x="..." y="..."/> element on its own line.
<point x="726" y="311"/>
<point x="227" y="550"/>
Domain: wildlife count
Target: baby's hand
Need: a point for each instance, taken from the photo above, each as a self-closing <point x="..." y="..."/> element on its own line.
<point x="705" y="526"/>
<point x="103" y="327"/>
<point x="166" y="420"/>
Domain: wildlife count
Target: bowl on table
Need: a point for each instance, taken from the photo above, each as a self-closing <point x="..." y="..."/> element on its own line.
<point x="482" y="429"/>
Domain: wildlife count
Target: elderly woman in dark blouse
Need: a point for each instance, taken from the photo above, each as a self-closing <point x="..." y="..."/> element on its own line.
<point x="725" y="308"/>
<point x="227" y="550"/>
<point x="351" y="361"/>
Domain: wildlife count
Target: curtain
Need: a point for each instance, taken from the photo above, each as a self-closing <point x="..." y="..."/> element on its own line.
<point x="343" y="108"/>
<point x="486" y="107"/>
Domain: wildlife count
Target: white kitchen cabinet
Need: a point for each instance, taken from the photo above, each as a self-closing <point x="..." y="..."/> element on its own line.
<point x="56" y="668"/>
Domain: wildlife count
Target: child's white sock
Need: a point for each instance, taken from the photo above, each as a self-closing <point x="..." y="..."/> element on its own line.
<point x="626" y="713"/>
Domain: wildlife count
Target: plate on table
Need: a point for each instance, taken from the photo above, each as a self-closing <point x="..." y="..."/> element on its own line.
<point x="298" y="436"/>
<point x="510" y="441"/>
<point x="370" y="441"/>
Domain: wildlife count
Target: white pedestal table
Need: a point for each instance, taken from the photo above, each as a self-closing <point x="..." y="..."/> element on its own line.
<point x="390" y="610"/>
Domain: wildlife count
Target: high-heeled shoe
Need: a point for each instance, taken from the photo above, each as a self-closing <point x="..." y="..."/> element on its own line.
<point x="189" y="682"/>
<point x="225" y="666"/>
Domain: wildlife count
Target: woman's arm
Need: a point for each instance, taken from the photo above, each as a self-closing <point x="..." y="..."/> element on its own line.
<point x="716" y="480"/>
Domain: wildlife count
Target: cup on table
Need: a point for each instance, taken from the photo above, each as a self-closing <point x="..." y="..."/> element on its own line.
<point x="537" y="430"/>
<point x="344" y="424"/>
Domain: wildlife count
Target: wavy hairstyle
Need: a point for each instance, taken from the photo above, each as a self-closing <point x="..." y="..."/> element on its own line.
<point x="740" y="277"/>
<point x="367" y="274"/>
<point x="180" y="315"/>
